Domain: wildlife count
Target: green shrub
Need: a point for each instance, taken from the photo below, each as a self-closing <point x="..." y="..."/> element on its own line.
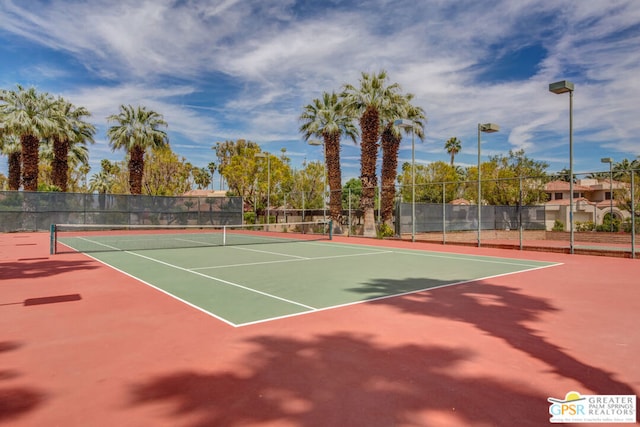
<point x="558" y="225"/>
<point x="585" y="226"/>
<point x="384" y="230"/>
<point x="608" y="224"/>
<point x="249" y="217"/>
<point x="626" y="225"/>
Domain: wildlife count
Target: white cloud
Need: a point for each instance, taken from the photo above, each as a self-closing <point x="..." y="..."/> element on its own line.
<point x="280" y="58"/>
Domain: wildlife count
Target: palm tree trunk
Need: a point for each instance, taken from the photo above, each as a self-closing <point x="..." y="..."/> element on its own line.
<point x="29" y="162"/>
<point x="136" y="169"/>
<point x="369" y="123"/>
<point x="334" y="176"/>
<point x="390" y="147"/>
<point x="60" y="163"/>
<point x="14" y="171"/>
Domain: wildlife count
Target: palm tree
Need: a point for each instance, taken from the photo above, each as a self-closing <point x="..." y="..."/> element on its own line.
<point x="137" y="129"/>
<point x="390" y="142"/>
<point x="212" y="168"/>
<point x="598" y="175"/>
<point x="326" y="118"/>
<point x="453" y="147"/>
<point x="27" y="114"/>
<point x="621" y="169"/>
<point x="71" y="129"/>
<point x="102" y="183"/>
<point x="77" y="155"/>
<point x="10" y="146"/>
<point x="366" y="102"/>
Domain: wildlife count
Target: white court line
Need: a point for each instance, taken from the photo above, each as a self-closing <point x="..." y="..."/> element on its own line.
<point x="222" y="281"/>
<point x="462" y="282"/>
<point x="375" y="251"/>
<point x="444" y="255"/>
<point x="472" y="259"/>
<point x="266" y="252"/>
<point x="289" y="260"/>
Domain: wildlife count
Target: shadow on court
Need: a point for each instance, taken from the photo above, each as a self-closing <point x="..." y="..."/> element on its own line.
<point x="503" y="312"/>
<point x="15" y="400"/>
<point x="42" y="267"/>
<point x="346" y="379"/>
<point x="340" y="379"/>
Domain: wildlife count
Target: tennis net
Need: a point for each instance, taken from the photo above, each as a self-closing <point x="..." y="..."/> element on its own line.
<point x="106" y="237"/>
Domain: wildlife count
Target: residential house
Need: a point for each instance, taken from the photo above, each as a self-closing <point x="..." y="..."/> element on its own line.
<point x="592" y="200"/>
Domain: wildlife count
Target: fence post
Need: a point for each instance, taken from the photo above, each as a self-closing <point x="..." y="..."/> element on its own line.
<point x="52" y="240"/>
<point x="633" y="215"/>
<point x="444" y="214"/>
<point x="349" y="216"/>
<point x="520" y="210"/>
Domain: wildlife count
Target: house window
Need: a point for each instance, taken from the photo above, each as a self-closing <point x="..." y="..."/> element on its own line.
<point x="607" y="195"/>
<point x="557" y="196"/>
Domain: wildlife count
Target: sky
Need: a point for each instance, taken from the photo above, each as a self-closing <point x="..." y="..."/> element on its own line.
<point x="244" y="69"/>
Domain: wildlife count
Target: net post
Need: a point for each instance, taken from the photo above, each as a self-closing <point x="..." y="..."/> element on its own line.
<point x="224" y="236"/>
<point x="331" y="229"/>
<point x="52" y="239"/>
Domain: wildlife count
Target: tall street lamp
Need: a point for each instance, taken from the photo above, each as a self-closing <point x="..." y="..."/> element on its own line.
<point x="407" y="124"/>
<point x="560" y="87"/>
<point x="268" y="157"/>
<point x="317" y="142"/>
<point x="610" y="161"/>
<point x="486" y="128"/>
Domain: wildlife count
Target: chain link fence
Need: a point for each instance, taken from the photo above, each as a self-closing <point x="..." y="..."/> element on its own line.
<point x="33" y="211"/>
<point x="526" y="213"/>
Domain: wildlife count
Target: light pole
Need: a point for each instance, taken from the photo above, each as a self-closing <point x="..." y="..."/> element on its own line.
<point x="316" y="142"/>
<point x="268" y="157"/>
<point x="559" y="88"/>
<point x="409" y="125"/>
<point x="486" y="128"/>
<point x="610" y="161"/>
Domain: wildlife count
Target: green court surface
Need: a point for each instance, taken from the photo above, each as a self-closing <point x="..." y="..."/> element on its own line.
<point x="246" y="284"/>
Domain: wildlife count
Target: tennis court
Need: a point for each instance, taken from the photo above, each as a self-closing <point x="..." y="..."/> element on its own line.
<point x="333" y="332"/>
<point x="248" y="276"/>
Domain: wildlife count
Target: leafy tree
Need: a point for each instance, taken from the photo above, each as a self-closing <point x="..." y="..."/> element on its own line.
<point x="307" y="187"/>
<point x="248" y="175"/>
<point x="327" y="118"/>
<point x="453" y="147"/>
<point x="227" y="149"/>
<point x="166" y="173"/>
<point x="366" y="102"/>
<point x="136" y="130"/>
<point x="273" y="177"/>
<point x="501" y="180"/>
<point x="27" y="114"/>
<point x="353" y="189"/>
<point x="429" y="180"/>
